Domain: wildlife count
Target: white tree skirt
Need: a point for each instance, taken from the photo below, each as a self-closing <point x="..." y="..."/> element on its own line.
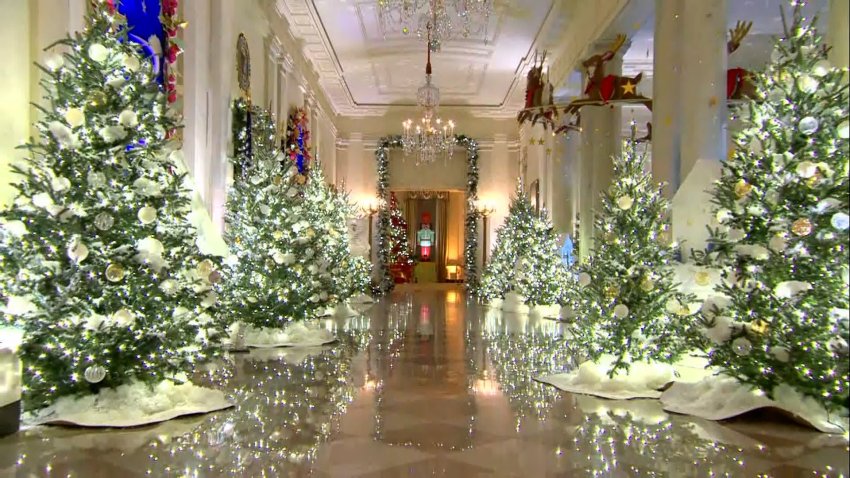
<point x="720" y="397"/>
<point x="130" y="405"/>
<point x="643" y="380"/>
<point x="290" y="355"/>
<point x="361" y="299"/>
<point x="545" y="311"/>
<point x="297" y="334"/>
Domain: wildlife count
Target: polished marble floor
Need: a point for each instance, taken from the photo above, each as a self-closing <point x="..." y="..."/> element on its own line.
<point x="425" y="384"/>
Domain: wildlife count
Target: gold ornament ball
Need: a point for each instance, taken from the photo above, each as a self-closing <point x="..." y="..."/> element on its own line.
<point x="759" y="327"/>
<point x="665" y="237"/>
<point x="802" y="227"/>
<point x="98" y="98"/>
<point x="115" y="272"/>
<point x="300" y="178"/>
<point x="277" y="180"/>
<point x="702" y="278"/>
<point x="612" y="291"/>
<point x="205" y="267"/>
<point x="647" y="284"/>
<point x="238" y="240"/>
<point x="277" y="234"/>
<point x="743" y="189"/>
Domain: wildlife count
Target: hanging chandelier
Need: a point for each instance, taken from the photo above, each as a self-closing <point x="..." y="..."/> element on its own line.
<point x="448" y="19"/>
<point x="431" y="138"/>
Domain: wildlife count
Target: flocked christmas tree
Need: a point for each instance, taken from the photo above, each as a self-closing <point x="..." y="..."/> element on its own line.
<point x="626" y="299"/>
<point x="99" y="263"/>
<point x="782" y="204"/>
<point x="288" y="233"/>
<point x="526" y="259"/>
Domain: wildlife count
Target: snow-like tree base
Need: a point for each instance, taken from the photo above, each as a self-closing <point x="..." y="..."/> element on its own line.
<point x="131" y="405"/>
<point x="719" y="397"/>
<point x="295" y="335"/>
<point x="643" y="380"/>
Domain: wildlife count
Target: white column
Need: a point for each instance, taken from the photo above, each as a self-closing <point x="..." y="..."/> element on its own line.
<point x="196" y="95"/>
<point x="666" y="101"/>
<point x="273" y="79"/>
<point x="703" y="83"/>
<point x="284" y="74"/>
<point x="566" y="184"/>
<point x="839" y="17"/>
<point x="222" y="66"/>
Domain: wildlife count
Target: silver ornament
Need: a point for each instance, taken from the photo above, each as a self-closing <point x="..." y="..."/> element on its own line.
<point x="104" y="221"/>
<point x="741" y="346"/>
<point x="808" y="125"/>
<point x="95" y="374"/>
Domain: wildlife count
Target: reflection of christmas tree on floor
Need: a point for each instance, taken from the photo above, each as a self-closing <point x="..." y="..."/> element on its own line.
<point x="526" y="259"/>
<point x="782" y="205"/>
<point x="401" y="264"/>
<point x="626" y="299"/>
<point x="100" y="265"/>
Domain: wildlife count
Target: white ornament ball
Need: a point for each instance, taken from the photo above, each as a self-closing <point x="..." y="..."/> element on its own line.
<point x="147" y="215"/>
<point x="844" y="130"/>
<point x="278" y="257"/>
<point x="209" y="300"/>
<point x="808" y="125"/>
<point x="128" y="118"/>
<point x="621" y="311"/>
<point x="130" y="62"/>
<point x="821" y="68"/>
<point x="777" y="243"/>
<point x="288" y="258"/>
<point x="672" y="306"/>
<point x="806" y="169"/>
<point x="78" y="252"/>
<point x="807" y="84"/>
<point x="75" y="117"/>
<point x="584" y="279"/>
<point x="124" y="317"/>
<point x="723" y="215"/>
<point x="741" y="346"/>
<point x="625" y="203"/>
<point x="96" y="179"/>
<point x="94" y="374"/>
<point x="54" y="61"/>
<point x="168" y="286"/>
<point x="98" y="52"/>
<point x="840" y="221"/>
<point x="736" y="235"/>
<point x="780" y="353"/>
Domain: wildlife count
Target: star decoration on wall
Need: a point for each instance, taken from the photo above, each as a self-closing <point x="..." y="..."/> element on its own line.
<point x="629" y="88"/>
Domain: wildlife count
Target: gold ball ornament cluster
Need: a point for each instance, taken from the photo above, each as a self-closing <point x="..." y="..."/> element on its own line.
<point x="802" y="227"/>
<point x="115" y="272"/>
<point x="743" y="189"/>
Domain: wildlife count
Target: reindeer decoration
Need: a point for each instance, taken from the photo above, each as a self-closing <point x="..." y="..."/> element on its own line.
<point x="538" y="96"/>
<point x="738" y="84"/>
<point x="603" y="89"/>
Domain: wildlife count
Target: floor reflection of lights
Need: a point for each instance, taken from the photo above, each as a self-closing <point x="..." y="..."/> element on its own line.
<point x="426" y="383"/>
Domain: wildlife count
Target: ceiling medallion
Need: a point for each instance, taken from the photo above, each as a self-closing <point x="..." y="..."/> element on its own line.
<point x="447" y="19"/>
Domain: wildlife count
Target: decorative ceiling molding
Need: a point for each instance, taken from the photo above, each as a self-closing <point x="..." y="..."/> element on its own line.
<point x="389" y="76"/>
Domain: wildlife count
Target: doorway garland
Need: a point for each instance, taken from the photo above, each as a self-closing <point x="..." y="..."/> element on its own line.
<point x="470" y="249"/>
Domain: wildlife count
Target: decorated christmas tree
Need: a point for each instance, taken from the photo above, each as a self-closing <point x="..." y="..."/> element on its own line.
<point x="626" y="298"/>
<point x="782" y="205"/>
<point x="98" y="259"/>
<point x="526" y="259"/>
<point x="289" y="237"/>
<point x="297" y="141"/>
<point x="401" y="264"/>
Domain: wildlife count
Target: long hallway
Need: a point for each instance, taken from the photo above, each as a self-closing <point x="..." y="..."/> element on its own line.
<point x="426" y="384"/>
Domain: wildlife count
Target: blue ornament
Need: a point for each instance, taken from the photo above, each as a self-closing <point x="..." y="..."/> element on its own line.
<point x="567" y="252"/>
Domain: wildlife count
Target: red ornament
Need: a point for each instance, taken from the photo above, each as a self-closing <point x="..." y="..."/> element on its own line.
<point x="169" y="7"/>
<point x="110" y="6"/>
<point x="173" y="51"/>
<point x="172" y="96"/>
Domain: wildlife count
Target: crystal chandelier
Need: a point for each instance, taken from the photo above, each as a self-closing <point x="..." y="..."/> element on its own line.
<point x="431" y="138"/>
<point x="448" y="19"/>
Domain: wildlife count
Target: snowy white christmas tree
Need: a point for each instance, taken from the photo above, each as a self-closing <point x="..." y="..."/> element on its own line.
<point x="782" y="204"/>
<point x="526" y="260"/>
<point x="99" y="262"/>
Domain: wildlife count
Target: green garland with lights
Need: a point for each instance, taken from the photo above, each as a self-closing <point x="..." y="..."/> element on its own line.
<point x="780" y="232"/>
<point x="382" y="159"/>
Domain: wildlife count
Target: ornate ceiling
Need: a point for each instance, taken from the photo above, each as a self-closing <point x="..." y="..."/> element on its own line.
<point x="364" y="74"/>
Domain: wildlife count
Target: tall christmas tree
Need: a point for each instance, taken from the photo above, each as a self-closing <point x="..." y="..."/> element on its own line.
<point x="626" y="298"/>
<point x="526" y="259"/>
<point x="98" y="260"/>
<point x="400" y="261"/>
<point x="782" y="203"/>
<point x="288" y="231"/>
